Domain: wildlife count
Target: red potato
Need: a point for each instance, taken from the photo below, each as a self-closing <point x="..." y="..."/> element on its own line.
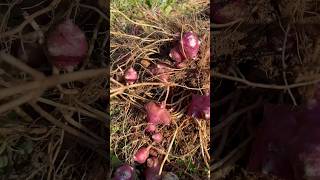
<point x="200" y="106"/>
<point x="268" y="150"/>
<point x="157" y="114"/>
<point x="157" y="137"/>
<point x="186" y="49"/>
<point x="130" y="76"/>
<point x="141" y="155"/>
<point x="287" y="143"/>
<point x="189" y="45"/>
<point x="124" y="172"/>
<point x="66" y="45"/>
<point x="176" y="55"/>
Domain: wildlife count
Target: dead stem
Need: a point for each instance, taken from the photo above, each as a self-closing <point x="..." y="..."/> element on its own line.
<point x="202" y="143"/>
<point x="52" y="81"/>
<point x="169" y="149"/>
<point x="19" y="101"/>
<point x="284" y="74"/>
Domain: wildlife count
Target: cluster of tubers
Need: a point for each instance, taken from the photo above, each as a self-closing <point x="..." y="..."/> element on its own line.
<point x="187" y="48"/>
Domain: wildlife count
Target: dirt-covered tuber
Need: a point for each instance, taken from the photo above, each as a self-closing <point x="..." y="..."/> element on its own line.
<point x="200" y="106"/>
<point x="124" y="172"/>
<point x="66" y="45"/>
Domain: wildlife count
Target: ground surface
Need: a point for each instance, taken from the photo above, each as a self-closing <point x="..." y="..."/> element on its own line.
<point x="143" y="35"/>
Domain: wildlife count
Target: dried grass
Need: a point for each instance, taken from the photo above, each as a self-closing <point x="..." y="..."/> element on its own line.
<point x="147" y="37"/>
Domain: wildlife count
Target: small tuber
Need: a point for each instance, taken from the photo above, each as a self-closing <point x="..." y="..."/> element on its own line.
<point x="66" y="45"/>
<point x="131" y="76"/>
<point x="151" y="127"/>
<point x="124" y="172"/>
<point x="141" y="155"/>
<point x="157" y="114"/>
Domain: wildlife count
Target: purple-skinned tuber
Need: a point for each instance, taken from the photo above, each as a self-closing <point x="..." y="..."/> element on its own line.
<point x="287" y="143"/>
<point x="130" y="76"/>
<point x="66" y="45"/>
<point x="124" y="172"/>
<point x="186" y="49"/>
<point x="157" y="114"/>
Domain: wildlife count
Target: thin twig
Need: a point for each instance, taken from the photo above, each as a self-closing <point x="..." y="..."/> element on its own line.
<point x="232" y="117"/>
<point x="169" y="149"/>
<point x="30" y="18"/>
<point x="19" y="101"/>
<point x="60" y="124"/>
<point x="265" y="86"/>
<point x="220" y="163"/>
<point x="283" y="56"/>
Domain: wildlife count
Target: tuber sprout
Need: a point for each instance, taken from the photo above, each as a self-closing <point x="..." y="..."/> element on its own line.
<point x="67" y="45"/>
<point x="124" y="172"/>
<point x="130" y="76"/>
<point x="157" y="114"/>
<point x="200" y="106"/>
